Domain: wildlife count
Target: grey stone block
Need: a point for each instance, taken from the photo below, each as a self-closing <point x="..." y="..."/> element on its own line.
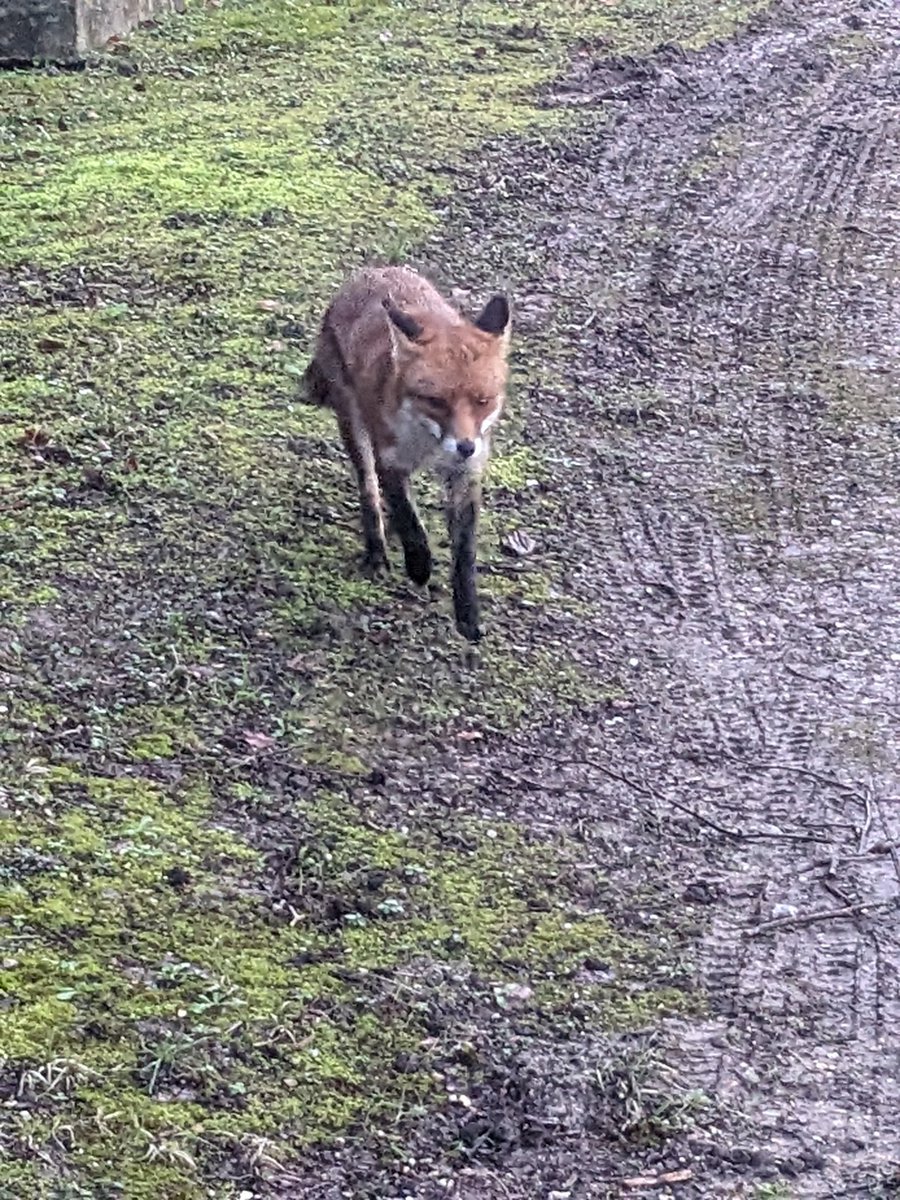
<point x="67" y="30"/>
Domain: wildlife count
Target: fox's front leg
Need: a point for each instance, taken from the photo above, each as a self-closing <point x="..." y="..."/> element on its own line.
<point x="359" y="447"/>
<point x="406" y="523"/>
<point x="463" y="508"/>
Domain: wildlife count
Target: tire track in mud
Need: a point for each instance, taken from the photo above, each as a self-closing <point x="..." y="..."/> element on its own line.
<point x="820" y="989"/>
<point x="734" y="518"/>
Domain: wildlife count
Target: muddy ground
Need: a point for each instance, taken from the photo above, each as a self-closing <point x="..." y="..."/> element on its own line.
<point x="704" y="271"/>
<point x="719" y="269"/>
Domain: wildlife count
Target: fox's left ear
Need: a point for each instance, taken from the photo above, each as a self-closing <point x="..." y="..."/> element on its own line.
<point x="494" y="317"/>
<point x="408" y="326"/>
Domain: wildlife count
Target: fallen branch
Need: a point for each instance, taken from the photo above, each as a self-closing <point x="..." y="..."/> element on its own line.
<point x="821" y="914"/>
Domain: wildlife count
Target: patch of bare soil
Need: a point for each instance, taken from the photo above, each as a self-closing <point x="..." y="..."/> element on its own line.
<point x="710" y="281"/>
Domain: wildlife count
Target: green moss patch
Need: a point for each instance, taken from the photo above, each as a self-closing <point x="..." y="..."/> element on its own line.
<point x="164" y="987"/>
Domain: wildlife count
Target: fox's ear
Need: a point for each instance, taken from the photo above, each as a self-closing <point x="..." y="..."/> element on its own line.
<point x="410" y="329"/>
<point x="494" y="317"/>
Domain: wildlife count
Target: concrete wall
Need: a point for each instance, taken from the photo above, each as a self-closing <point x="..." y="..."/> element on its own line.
<point x="37" y="29"/>
<point x="67" y="30"/>
<point x="99" y="20"/>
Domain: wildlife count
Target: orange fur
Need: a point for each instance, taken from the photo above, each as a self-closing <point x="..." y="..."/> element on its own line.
<point x="413" y="382"/>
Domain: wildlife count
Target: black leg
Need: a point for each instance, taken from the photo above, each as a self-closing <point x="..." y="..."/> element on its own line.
<point x="405" y="520"/>
<point x="463" y="506"/>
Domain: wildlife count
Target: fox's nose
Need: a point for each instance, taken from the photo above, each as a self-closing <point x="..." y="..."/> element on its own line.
<point x="465" y="448"/>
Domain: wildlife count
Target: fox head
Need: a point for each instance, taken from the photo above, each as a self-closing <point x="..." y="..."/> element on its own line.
<point x="452" y="373"/>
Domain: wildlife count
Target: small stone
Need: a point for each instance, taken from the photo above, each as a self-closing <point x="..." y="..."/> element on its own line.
<point x="784" y="910"/>
<point x="510" y="995"/>
<point x="791" y="1167"/>
<point x="762" y="1158"/>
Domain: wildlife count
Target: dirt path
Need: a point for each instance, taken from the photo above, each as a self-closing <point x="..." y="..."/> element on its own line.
<point x="719" y="270"/>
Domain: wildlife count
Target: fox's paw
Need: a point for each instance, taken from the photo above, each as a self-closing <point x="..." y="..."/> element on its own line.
<point x="375" y="562"/>
<point x="418" y="564"/>
<point x="469" y="628"/>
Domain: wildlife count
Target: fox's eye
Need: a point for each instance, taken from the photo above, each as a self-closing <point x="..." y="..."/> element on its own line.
<point x="484" y="401"/>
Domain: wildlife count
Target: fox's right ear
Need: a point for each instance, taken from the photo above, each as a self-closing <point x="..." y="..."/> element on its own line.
<point x="410" y="328"/>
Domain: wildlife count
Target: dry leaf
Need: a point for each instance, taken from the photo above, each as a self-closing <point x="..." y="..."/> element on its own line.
<point x="644" y="1181"/>
<point x="518" y="544"/>
<point x="34" y="437"/>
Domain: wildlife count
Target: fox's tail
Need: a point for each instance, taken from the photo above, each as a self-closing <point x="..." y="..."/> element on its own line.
<point x="315" y="385"/>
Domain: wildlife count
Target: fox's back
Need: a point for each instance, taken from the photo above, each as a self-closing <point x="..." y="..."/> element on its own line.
<point x="356" y="315"/>
<point x="366" y="290"/>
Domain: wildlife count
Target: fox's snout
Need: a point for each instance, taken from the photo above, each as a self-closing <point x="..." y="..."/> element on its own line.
<point x="461" y="449"/>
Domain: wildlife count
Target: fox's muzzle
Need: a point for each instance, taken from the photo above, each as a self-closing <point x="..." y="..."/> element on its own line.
<point x="461" y="448"/>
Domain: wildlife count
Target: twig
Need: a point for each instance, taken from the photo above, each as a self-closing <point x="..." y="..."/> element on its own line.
<point x="890" y="845"/>
<point x="541" y="785"/>
<point x="867" y="821"/>
<point x="834" y="860"/>
<point x="796" y="769"/>
<point x="809" y="678"/>
<point x="664" y="586"/>
<point x="738" y="835"/>
<point x="821" y="914"/>
<point x="834" y="890"/>
<point x="862" y="795"/>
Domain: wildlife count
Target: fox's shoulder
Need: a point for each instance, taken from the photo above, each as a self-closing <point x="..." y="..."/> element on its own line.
<point x="357" y="324"/>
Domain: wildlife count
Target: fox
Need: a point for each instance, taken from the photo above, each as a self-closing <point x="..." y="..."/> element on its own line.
<point x="414" y="383"/>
